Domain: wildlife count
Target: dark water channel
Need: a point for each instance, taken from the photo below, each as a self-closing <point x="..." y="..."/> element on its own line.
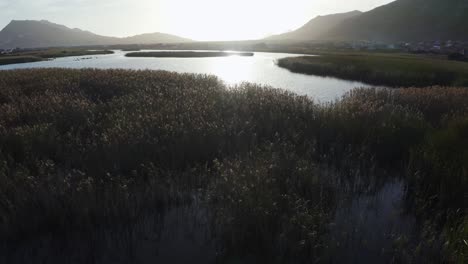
<point x="368" y="227"/>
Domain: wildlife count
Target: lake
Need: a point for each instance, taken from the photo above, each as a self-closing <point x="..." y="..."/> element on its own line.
<point x="261" y="69"/>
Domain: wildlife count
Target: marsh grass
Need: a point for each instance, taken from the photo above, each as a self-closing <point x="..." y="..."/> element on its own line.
<point x="18" y="59"/>
<point x="35" y="56"/>
<point x="388" y="70"/>
<point x="188" y="54"/>
<point x="99" y="151"/>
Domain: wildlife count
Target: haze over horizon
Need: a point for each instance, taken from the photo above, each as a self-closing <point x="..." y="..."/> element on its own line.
<point x="204" y="20"/>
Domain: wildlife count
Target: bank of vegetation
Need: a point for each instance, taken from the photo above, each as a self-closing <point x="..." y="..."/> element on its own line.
<point x="93" y="158"/>
<point x="5" y="60"/>
<point x="188" y="54"/>
<point x="394" y="70"/>
<point x="41" y="55"/>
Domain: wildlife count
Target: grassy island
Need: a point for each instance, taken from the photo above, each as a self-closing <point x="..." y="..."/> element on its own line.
<point x="393" y="70"/>
<point x="91" y="161"/>
<point x="188" y="54"/>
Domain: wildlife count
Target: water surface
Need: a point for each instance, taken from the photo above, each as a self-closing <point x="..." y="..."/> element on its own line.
<point x="261" y="69"/>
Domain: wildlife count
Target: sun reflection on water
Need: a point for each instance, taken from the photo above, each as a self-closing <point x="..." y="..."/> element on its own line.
<point x="233" y="69"/>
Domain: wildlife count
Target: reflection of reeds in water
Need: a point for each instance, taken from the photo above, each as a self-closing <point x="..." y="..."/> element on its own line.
<point x="366" y="226"/>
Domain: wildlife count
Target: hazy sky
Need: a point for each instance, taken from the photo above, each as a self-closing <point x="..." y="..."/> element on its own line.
<point x="196" y="19"/>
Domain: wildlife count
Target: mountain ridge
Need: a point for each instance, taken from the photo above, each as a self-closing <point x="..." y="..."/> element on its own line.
<point x="400" y="20"/>
<point x="407" y="20"/>
<point x="315" y="27"/>
<point x="43" y="34"/>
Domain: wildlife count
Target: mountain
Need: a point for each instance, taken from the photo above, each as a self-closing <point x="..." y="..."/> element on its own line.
<point x="407" y="20"/>
<point x="37" y="34"/>
<point x="401" y="20"/>
<point x="151" y="38"/>
<point x="316" y="27"/>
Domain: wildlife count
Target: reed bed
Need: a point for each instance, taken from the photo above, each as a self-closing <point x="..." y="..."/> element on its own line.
<point x="41" y="55"/>
<point x="101" y="151"/>
<point x="188" y="54"/>
<point x="378" y="69"/>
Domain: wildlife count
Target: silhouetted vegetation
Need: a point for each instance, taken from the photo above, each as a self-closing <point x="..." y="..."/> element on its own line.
<point x="4" y="60"/>
<point x="457" y="57"/>
<point x="40" y="55"/>
<point x="96" y="157"/>
<point x="188" y="54"/>
<point x="59" y="53"/>
<point x="389" y="70"/>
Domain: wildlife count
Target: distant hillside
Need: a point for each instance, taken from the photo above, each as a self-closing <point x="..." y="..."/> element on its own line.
<point x="316" y="27"/>
<point x="35" y="34"/>
<point x="151" y="38"/>
<point x="407" y="20"/>
<point x="401" y="20"/>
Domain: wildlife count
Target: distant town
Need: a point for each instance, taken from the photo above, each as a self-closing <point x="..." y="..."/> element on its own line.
<point x="437" y="47"/>
<point x="456" y="49"/>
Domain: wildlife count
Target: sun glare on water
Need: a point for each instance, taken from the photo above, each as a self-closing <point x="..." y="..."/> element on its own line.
<point x="234" y="69"/>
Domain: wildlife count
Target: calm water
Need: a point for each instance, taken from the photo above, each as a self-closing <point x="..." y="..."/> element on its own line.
<point x="258" y="69"/>
<point x="366" y="227"/>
